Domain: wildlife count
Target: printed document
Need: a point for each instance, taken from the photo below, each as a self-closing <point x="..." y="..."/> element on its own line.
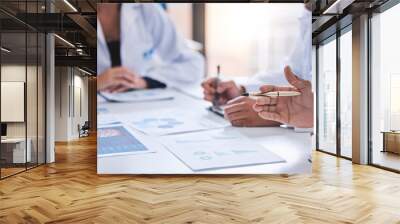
<point x="117" y="140"/>
<point x="173" y="121"/>
<point x="139" y="95"/>
<point x="216" y="149"/>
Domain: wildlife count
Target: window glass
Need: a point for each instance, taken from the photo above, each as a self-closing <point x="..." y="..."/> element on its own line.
<point x="385" y="84"/>
<point x="14" y="147"/>
<point x="327" y="97"/>
<point x="346" y="94"/>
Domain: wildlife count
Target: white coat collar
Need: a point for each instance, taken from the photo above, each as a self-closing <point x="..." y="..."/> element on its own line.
<point x="100" y="34"/>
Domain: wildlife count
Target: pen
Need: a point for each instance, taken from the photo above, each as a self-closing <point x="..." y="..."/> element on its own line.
<point x="215" y="101"/>
<point x="273" y="94"/>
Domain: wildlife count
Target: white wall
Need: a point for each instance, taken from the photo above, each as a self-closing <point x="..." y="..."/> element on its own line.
<point x="71" y="94"/>
<point x="80" y="109"/>
<point x="12" y="73"/>
<point x="62" y="81"/>
<point x="181" y="15"/>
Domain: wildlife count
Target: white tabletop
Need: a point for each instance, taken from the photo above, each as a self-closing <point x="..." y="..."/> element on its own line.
<point x="294" y="147"/>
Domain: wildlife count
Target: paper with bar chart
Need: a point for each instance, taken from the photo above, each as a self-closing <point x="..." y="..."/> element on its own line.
<point x="119" y="140"/>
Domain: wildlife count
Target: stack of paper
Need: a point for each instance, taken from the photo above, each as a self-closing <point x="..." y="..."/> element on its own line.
<point x="218" y="149"/>
<point x="166" y="121"/>
<point x="139" y="95"/>
<point x="107" y="119"/>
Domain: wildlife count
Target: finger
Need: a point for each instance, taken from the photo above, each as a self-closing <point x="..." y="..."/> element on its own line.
<point x="209" y="83"/>
<point x="272" y="116"/>
<point x="113" y="88"/>
<point x="274" y="100"/>
<point x="107" y="89"/>
<point x="124" y="81"/>
<point x="125" y="73"/>
<point x="263" y="100"/>
<point x="209" y="91"/>
<point x="222" y="100"/>
<point x="267" y="88"/>
<point x="125" y="76"/>
<point x="294" y="80"/>
<point x="258" y="108"/>
<point x="124" y="70"/>
<point x="121" y="89"/>
<point x="237" y="100"/>
<point x="208" y="97"/>
<point x="205" y="83"/>
<point x="266" y="108"/>
<point x="224" y="86"/>
<point x="117" y="83"/>
<point x="238" y="123"/>
<point x="271" y="88"/>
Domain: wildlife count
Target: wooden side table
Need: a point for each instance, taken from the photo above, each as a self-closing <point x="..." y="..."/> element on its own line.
<point x="391" y="141"/>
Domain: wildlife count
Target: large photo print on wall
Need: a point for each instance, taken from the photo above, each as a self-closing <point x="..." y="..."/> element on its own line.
<point x="229" y="92"/>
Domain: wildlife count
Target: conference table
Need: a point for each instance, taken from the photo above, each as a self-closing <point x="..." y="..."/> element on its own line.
<point x="293" y="147"/>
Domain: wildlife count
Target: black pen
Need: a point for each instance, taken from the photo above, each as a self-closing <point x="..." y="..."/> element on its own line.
<point x="215" y="101"/>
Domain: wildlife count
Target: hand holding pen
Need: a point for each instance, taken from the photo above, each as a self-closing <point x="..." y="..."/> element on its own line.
<point x="288" y="105"/>
<point x="225" y="90"/>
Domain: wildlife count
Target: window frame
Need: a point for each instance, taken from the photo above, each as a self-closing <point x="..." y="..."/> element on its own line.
<point x="378" y="10"/>
<point x="334" y="37"/>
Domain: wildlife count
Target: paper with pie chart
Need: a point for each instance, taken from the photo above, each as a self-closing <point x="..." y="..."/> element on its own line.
<point x="217" y="149"/>
<point x="166" y="122"/>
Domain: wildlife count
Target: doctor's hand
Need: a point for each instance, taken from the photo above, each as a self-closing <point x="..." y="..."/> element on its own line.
<point x="119" y="79"/>
<point x="227" y="90"/>
<point x="296" y="111"/>
<point x="240" y="113"/>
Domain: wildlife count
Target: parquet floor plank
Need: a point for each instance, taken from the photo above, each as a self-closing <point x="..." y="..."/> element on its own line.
<point x="70" y="191"/>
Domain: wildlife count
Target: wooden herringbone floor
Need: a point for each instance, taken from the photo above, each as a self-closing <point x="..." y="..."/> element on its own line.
<point x="69" y="191"/>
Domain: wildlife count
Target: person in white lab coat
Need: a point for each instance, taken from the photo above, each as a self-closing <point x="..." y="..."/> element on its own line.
<point x="238" y="109"/>
<point x="138" y="47"/>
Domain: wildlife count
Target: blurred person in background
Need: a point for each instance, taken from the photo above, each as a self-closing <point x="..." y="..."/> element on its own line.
<point x="138" y="47"/>
<point x="295" y="111"/>
<point x="239" y="109"/>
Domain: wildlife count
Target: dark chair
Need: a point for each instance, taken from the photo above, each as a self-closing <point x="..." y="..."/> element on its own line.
<point x="84" y="130"/>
